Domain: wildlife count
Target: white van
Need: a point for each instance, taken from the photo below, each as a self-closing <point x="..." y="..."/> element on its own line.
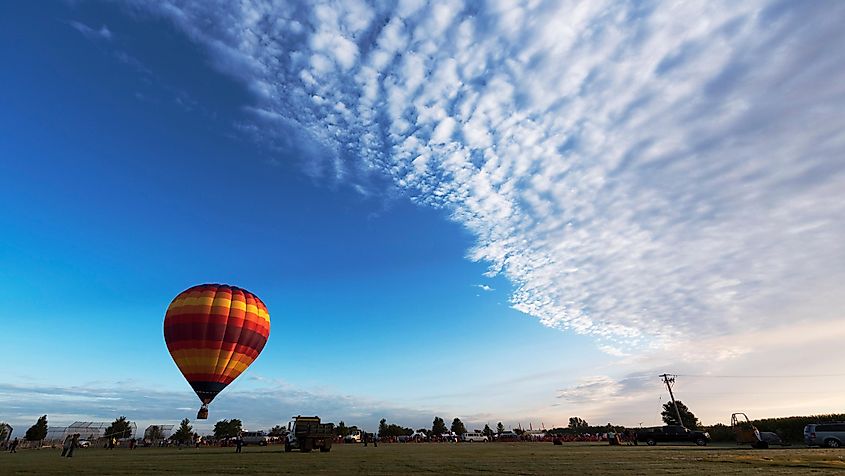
<point x="474" y="437"/>
<point x="255" y="438"/>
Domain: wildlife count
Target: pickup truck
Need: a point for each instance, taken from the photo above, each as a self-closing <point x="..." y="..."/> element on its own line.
<point x="672" y="434"/>
<point x="307" y="433"/>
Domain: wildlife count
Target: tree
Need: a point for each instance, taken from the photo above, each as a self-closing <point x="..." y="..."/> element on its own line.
<point x="184" y="434"/>
<point x="342" y="430"/>
<point x="488" y="432"/>
<point x="227" y="428"/>
<point x="386" y="430"/>
<point x="438" y="426"/>
<point x="500" y="428"/>
<point x="576" y="423"/>
<point x="277" y="430"/>
<point x="458" y="427"/>
<point x="670" y="418"/>
<point x="119" y="428"/>
<point x="38" y="431"/>
<point x="396" y="430"/>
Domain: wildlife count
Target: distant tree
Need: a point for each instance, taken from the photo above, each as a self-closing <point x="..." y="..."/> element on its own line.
<point x="458" y="427"/>
<point x="438" y="426"/>
<point x="154" y="433"/>
<point x="670" y="418"/>
<point x="184" y="434"/>
<point x="277" y="430"/>
<point x="227" y="428"/>
<point x="119" y="428"/>
<point x="4" y="432"/>
<point x="38" y="431"/>
<point x="576" y="423"/>
<point x="341" y="429"/>
<point x="386" y="430"/>
<point x="488" y="432"/>
<point x="396" y="430"/>
<point x="500" y="428"/>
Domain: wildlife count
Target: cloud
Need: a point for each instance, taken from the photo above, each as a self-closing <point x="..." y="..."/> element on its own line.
<point x="103" y="33"/>
<point x="600" y="389"/>
<point x="484" y="287"/>
<point x="644" y="173"/>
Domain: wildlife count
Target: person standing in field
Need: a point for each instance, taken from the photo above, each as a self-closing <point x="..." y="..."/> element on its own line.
<point x="74" y="442"/>
<point x="239" y="442"/>
<point x="13" y="447"/>
<point x="66" y="445"/>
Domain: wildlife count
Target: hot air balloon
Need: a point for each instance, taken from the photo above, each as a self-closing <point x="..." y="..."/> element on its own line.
<point x="214" y="332"/>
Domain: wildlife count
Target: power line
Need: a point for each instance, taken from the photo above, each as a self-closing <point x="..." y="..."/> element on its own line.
<point x="762" y="376"/>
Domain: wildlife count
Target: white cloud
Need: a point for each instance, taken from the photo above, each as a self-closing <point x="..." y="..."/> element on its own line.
<point x="643" y="173"/>
<point x="484" y="287"/>
<point x="103" y="33"/>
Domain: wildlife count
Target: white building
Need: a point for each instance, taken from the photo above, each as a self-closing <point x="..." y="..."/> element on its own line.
<point x="166" y="431"/>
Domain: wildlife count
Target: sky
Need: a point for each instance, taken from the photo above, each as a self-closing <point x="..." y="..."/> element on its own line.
<point x="497" y="211"/>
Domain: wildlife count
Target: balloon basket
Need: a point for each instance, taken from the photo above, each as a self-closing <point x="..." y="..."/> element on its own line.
<point x="203" y="413"/>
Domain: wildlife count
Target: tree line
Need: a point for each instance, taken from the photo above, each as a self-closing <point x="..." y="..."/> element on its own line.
<point x="789" y="428"/>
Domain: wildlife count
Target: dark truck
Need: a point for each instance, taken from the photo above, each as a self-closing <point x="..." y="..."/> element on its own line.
<point x="307" y="433"/>
<point x="672" y="434"/>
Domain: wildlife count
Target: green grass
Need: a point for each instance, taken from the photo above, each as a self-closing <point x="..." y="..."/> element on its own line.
<point x="440" y="458"/>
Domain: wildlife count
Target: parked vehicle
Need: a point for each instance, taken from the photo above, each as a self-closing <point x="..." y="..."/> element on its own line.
<point x="355" y="436"/>
<point x="672" y="434"/>
<point x="473" y="437"/>
<point x="307" y="433"/>
<point x="255" y="438"/>
<point x="507" y="436"/>
<point x="831" y="435"/>
<point x="83" y="444"/>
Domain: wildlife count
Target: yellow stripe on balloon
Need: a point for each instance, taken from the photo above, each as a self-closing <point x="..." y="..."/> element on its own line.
<point x="209" y="367"/>
<point x="191" y="301"/>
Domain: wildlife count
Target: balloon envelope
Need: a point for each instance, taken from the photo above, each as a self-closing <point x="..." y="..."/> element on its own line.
<point x="214" y="332"/>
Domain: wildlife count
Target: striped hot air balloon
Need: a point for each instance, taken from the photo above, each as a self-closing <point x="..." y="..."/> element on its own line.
<point x="214" y="332"/>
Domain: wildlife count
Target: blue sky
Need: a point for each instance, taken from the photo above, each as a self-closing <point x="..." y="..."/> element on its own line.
<point x="501" y="212"/>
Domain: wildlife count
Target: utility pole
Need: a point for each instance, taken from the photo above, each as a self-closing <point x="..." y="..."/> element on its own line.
<point x="669" y="379"/>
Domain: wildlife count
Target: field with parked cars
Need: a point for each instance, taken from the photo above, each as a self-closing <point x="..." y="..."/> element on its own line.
<point x="442" y="458"/>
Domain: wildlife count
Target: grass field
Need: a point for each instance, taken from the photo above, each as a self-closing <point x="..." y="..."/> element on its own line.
<point x="444" y="458"/>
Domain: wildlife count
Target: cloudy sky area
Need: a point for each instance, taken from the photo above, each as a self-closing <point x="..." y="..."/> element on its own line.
<point x="657" y="186"/>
